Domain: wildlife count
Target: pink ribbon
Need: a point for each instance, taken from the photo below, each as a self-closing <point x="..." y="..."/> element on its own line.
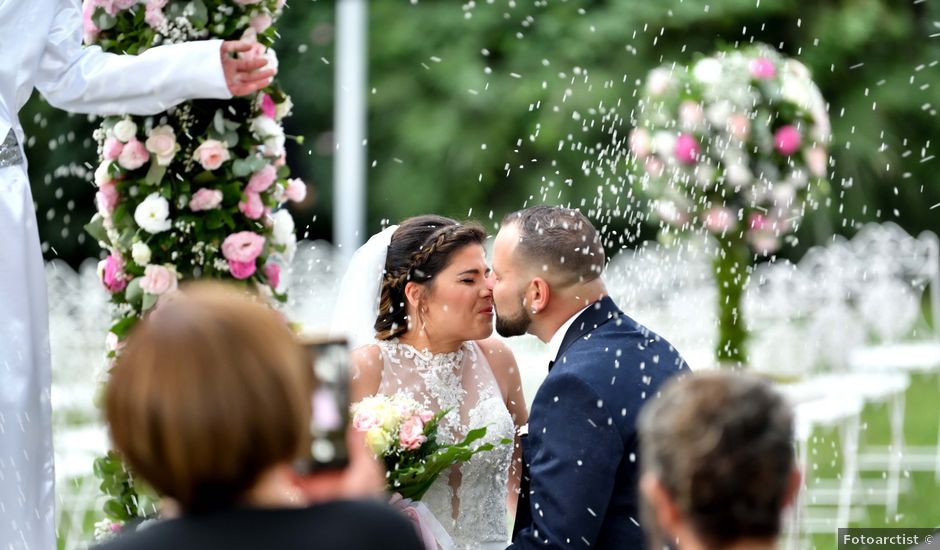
<point x="410" y="509"/>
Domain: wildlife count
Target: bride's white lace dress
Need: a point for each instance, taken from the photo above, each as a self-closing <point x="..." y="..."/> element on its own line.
<point x="470" y="502"/>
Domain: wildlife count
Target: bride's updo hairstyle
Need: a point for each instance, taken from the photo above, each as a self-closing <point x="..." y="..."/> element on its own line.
<point x="421" y="248"/>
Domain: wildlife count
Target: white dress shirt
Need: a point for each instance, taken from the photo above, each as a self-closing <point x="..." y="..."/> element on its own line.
<point x="554" y="345"/>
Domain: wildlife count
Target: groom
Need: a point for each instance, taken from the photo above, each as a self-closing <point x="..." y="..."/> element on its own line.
<point x="579" y="487"/>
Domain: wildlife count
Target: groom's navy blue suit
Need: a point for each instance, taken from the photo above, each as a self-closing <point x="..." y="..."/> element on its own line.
<point x="580" y="457"/>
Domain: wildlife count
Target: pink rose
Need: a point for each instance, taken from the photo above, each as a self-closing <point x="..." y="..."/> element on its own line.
<point x="133" y="155"/>
<point x="90" y="30"/>
<point x="411" y="435"/>
<point x="653" y="166"/>
<point x="296" y="190"/>
<point x="242" y="270"/>
<point x="124" y="4"/>
<point x="764" y="242"/>
<point x="425" y="416"/>
<point x="816" y="160"/>
<point x="739" y="126"/>
<point x="365" y="420"/>
<point x="763" y="68"/>
<point x="162" y="143"/>
<point x="273" y="273"/>
<point x="640" y="142"/>
<point x="107" y="199"/>
<point x="205" y="199"/>
<point x="686" y="149"/>
<point x="158" y="280"/>
<point x="211" y="154"/>
<point x="112" y="273"/>
<point x="252" y="207"/>
<point x="787" y="140"/>
<point x="691" y="113"/>
<point x="757" y="221"/>
<point x="719" y="220"/>
<point x="281" y="160"/>
<point x="260" y="22"/>
<point x="112" y="148"/>
<point x="243" y="246"/>
<point x="268" y="107"/>
<point x="154" y="17"/>
<point x="262" y="179"/>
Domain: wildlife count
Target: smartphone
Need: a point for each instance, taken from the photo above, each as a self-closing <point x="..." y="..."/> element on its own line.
<point x="329" y="360"/>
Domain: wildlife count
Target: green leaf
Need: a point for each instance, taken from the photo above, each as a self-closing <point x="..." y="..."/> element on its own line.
<point x="214" y="219"/>
<point x="218" y="122"/>
<point x="241" y="168"/>
<point x="155" y="173"/>
<point x="200" y="16"/>
<point x="103" y="20"/>
<point x="148" y="302"/>
<point x="231" y="138"/>
<point x="96" y="229"/>
<point x="133" y="293"/>
<point x="204" y="178"/>
<point x="122" y="327"/>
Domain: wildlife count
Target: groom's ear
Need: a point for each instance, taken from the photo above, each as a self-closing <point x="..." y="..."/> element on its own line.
<point x="539" y="295"/>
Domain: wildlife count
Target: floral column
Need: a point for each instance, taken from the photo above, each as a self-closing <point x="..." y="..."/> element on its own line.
<point x="193" y="192"/>
<point x="734" y="146"/>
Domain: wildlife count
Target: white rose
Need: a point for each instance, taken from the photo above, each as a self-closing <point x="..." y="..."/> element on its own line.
<point x="101" y="173"/>
<point x="717" y="113"/>
<point x="657" y="81"/>
<point x="265" y="127"/>
<point x="738" y="174"/>
<point x="274" y="146"/>
<point x="162" y="143"/>
<point x="664" y="143"/>
<point x="271" y="57"/>
<point x="283" y="109"/>
<point x="796" y="91"/>
<point x="707" y="71"/>
<point x="125" y="130"/>
<point x="283" y="227"/>
<point x="152" y="214"/>
<point x="141" y="253"/>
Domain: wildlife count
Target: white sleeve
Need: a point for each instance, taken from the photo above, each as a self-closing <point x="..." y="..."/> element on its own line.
<point x="89" y="80"/>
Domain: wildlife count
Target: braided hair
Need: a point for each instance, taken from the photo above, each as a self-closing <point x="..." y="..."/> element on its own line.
<point x="421" y="248"/>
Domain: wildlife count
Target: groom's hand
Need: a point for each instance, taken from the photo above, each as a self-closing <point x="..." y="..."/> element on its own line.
<point x="243" y="76"/>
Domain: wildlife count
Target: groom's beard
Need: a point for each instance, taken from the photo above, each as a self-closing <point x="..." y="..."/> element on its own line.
<point x="513" y="326"/>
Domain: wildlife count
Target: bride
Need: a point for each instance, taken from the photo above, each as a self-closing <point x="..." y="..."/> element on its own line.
<point x="428" y="336"/>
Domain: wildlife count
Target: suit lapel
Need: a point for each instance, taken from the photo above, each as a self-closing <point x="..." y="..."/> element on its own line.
<point x="594" y="316"/>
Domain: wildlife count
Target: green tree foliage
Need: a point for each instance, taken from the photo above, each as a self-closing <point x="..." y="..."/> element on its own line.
<point x="483" y="107"/>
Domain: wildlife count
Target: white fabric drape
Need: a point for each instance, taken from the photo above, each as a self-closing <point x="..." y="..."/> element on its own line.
<point x="40" y="44"/>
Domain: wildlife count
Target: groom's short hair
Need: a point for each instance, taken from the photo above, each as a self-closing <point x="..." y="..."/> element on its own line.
<point x="561" y="241"/>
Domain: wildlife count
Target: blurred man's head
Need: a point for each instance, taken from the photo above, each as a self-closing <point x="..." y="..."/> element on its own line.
<point x="547" y="263"/>
<point x="718" y="461"/>
<point x="210" y="393"/>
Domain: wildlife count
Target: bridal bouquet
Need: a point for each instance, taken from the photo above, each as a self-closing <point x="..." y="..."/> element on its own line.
<point x="404" y="435"/>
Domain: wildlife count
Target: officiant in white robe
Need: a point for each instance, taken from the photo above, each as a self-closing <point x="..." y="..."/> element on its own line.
<point x="40" y="47"/>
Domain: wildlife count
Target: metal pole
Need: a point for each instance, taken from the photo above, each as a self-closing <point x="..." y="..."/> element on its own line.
<point x="350" y="126"/>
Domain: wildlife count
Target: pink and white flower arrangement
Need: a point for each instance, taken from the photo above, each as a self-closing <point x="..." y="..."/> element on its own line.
<point x="193" y="192"/>
<point x="403" y="434"/>
<point x="719" y="136"/>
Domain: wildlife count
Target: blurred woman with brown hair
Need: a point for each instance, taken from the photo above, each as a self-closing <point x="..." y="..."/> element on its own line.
<point x="209" y="403"/>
